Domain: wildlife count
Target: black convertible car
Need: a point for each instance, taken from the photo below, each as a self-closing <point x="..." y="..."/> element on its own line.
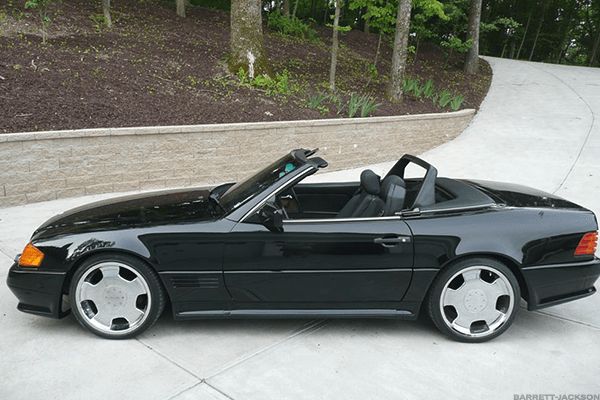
<point x="464" y="252"/>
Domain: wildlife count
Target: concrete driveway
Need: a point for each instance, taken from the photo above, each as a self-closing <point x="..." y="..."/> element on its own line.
<point x="537" y="127"/>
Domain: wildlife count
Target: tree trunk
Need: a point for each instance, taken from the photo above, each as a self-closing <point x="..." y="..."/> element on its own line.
<point x="366" y="28"/>
<point x="595" y="50"/>
<point x="246" y="41"/>
<point x="106" y="12"/>
<point x="524" y="34"/>
<point x="180" y="7"/>
<point x="334" y="44"/>
<point x="286" y="8"/>
<point x="472" y="60"/>
<point x="295" y="8"/>
<point x="537" y="33"/>
<point x="400" y="51"/>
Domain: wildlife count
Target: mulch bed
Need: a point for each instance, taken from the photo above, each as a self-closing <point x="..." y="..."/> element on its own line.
<point x="154" y="68"/>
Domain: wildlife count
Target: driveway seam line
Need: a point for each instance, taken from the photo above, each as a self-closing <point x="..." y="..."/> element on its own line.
<point x="185" y="390"/>
<point x="216" y="389"/>
<point x="175" y="363"/>
<point x="568" y="320"/>
<point x="310" y="327"/>
<point x="589" y="132"/>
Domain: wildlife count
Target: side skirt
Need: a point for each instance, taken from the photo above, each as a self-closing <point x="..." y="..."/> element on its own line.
<point x="298" y="313"/>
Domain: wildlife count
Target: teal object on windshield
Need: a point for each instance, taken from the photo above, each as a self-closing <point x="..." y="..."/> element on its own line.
<point x="289" y="167"/>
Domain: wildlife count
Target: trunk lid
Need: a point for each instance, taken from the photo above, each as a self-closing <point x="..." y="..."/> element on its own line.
<point x="514" y="195"/>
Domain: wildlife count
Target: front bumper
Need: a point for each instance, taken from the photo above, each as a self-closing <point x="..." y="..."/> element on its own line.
<point x="549" y="285"/>
<point x="39" y="292"/>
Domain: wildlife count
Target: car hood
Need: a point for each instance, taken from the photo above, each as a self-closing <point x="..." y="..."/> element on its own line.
<point x="135" y="211"/>
<point x="514" y="195"/>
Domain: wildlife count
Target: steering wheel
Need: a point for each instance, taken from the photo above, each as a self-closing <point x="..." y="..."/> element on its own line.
<point x="281" y="207"/>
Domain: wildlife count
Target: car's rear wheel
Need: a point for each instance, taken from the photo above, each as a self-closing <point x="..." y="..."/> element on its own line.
<point x="474" y="300"/>
<point x="116" y="296"/>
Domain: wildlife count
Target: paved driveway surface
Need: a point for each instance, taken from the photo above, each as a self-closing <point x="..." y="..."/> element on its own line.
<point x="537" y="127"/>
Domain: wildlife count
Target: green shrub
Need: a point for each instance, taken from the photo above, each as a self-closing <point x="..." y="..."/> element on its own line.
<point x="428" y="89"/>
<point x="363" y="103"/>
<point x="278" y="85"/>
<point x="444" y="98"/>
<point x="368" y="107"/>
<point x="456" y="102"/>
<point x="99" y="21"/>
<point x="291" y="26"/>
<point x="316" y="100"/>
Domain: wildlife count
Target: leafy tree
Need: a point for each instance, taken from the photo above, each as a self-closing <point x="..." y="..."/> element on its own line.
<point x="425" y="14"/>
<point x="42" y="8"/>
<point x="334" y="44"/>
<point x="106" y="12"/>
<point x="378" y="15"/>
<point x="180" y="6"/>
<point x="400" y="50"/>
<point x="472" y="60"/>
<point x="246" y="41"/>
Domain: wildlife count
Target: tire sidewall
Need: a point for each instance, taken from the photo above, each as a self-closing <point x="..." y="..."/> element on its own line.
<point x="438" y="286"/>
<point x="147" y="273"/>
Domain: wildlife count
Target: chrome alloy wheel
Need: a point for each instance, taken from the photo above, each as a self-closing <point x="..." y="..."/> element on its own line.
<point x="477" y="301"/>
<point x="113" y="298"/>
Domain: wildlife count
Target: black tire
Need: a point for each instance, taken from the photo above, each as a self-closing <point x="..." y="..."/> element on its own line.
<point x="434" y="299"/>
<point x="156" y="291"/>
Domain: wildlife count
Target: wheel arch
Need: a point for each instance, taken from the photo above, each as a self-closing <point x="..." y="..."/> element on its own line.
<point x="511" y="263"/>
<point x="76" y="264"/>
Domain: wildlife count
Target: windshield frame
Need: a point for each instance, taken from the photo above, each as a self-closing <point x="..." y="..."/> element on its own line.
<point x="248" y="189"/>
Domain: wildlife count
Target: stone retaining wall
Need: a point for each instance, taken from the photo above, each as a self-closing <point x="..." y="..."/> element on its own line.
<point x="42" y="166"/>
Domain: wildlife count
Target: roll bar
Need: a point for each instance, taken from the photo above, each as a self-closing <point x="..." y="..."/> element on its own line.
<point x="426" y="195"/>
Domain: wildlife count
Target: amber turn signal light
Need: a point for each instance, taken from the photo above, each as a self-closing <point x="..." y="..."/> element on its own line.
<point x="31" y="256"/>
<point x="587" y="244"/>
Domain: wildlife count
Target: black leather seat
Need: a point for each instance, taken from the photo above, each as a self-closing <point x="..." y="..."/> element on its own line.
<point x="366" y="202"/>
<point x="393" y="192"/>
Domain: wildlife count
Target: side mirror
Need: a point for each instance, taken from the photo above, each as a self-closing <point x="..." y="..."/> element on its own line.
<point x="271" y="217"/>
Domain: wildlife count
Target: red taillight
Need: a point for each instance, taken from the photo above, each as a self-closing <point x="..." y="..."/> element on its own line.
<point x="587" y="244"/>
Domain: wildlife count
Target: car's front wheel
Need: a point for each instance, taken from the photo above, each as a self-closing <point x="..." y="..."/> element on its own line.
<point x="116" y="296"/>
<point x="474" y="300"/>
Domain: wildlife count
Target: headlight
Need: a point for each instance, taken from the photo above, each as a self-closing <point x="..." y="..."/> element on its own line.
<point x="31" y="256"/>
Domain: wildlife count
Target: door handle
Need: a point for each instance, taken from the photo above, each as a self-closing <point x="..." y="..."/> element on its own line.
<point x="391" y="241"/>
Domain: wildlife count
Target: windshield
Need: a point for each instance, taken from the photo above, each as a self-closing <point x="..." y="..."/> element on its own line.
<point x="245" y="190"/>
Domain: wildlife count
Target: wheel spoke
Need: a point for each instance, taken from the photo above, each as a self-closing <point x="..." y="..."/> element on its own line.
<point x="110" y="271"/>
<point x="463" y="322"/>
<point x="134" y="288"/>
<point x="453" y="297"/>
<point x="103" y="318"/>
<point x="132" y="314"/>
<point x="90" y="292"/>
<point x="496" y="289"/>
<point x="490" y="315"/>
<point x="471" y="275"/>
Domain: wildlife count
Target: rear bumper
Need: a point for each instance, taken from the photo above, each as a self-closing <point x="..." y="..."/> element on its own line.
<point x="38" y="292"/>
<point x="549" y="285"/>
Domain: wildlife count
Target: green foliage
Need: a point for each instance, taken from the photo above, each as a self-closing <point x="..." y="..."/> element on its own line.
<point x="280" y="84"/>
<point x="363" y="103"/>
<point x="291" y="26"/>
<point x="444" y="98"/>
<point x="428" y="89"/>
<point x="380" y="14"/>
<point x="454" y="43"/>
<point x="456" y="102"/>
<point x="42" y="7"/>
<point x="99" y="21"/>
<point x="316" y="101"/>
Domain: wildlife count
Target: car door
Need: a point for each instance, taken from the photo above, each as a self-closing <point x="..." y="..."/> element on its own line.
<point x="327" y="263"/>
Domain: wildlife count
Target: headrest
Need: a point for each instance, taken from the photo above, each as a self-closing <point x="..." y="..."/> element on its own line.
<point x="370" y="182"/>
<point x="388" y="182"/>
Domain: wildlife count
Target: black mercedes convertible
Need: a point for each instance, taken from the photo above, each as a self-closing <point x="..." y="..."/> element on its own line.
<point x="464" y="252"/>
